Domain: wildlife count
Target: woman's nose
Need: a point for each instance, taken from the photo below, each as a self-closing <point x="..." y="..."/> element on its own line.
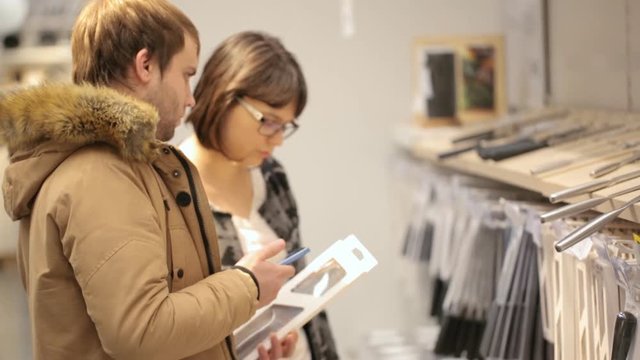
<point x="277" y="139"/>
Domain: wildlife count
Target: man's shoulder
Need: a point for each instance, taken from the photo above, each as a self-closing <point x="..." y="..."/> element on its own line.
<point x="97" y="160"/>
<point x="97" y="154"/>
<point x="97" y="173"/>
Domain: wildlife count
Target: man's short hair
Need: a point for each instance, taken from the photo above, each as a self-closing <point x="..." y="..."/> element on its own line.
<point x="108" y="34"/>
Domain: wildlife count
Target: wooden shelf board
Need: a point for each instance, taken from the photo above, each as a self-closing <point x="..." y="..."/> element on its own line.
<point x="516" y="170"/>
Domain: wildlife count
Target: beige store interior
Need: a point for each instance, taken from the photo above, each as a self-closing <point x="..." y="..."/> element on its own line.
<point x="357" y="57"/>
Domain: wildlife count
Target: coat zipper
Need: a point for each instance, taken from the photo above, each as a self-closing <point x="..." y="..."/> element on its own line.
<point x="192" y="190"/>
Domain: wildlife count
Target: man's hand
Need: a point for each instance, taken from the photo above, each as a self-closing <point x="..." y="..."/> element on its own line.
<point x="270" y="276"/>
<point x="279" y="349"/>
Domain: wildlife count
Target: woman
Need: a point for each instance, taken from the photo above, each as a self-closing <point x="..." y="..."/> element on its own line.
<point x="248" y="98"/>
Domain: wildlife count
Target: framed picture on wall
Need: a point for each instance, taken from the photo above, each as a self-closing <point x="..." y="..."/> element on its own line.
<point x="458" y="80"/>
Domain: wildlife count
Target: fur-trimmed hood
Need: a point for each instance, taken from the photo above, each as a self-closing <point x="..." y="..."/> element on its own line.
<point x="77" y="114"/>
<point x="42" y="126"/>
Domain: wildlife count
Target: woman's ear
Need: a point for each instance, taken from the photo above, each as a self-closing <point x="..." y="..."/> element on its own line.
<point x="143" y="66"/>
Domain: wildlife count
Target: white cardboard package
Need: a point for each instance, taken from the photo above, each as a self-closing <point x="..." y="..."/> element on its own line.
<point x="306" y="294"/>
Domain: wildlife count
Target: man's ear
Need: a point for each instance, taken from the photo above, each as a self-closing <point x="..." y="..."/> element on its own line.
<point x="143" y="66"/>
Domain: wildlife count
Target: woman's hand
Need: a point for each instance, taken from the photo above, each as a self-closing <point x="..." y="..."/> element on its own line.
<point x="279" y="349"/>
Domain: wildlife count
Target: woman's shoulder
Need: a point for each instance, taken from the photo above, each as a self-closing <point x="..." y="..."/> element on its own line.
<point x="273" y="170"/>
<point x="271" y="165"/>
<point x="275" y="176"/>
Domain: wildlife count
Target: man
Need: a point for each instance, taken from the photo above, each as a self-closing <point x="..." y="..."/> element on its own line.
<point x="117" y="247"/>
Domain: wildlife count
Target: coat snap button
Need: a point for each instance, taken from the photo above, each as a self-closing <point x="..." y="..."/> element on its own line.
<point x="183" y="199"/>
<point x="180" y="273"/>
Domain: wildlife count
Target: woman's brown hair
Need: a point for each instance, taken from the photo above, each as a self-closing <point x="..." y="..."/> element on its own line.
<point x="252" y="64"/>
<point x="108" y="34"/>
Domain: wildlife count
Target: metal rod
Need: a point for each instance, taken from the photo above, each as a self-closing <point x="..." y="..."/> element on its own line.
<point x="592" y="186"/>
<point x="582" y="206"/>
<point x="614" y="165"/>
<point x="591" y="227"/>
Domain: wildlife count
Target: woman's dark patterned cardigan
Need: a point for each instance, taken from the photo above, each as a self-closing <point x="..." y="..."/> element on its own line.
<point x="281" y="213"/>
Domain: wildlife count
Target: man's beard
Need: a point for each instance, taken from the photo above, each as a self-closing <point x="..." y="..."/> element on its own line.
<point x="166" y="106"/>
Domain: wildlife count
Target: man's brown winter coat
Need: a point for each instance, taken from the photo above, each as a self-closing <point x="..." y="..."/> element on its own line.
<point x="117" y="246"/>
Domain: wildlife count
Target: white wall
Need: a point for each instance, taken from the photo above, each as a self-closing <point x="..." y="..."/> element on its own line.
<point x="583" y="65"/>
<point x="634" y="52"/>
<point x="360" y="88"/>
<point x="595" y="53"/>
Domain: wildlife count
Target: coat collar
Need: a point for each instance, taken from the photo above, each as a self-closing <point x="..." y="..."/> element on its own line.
<point x="79" y="115"/>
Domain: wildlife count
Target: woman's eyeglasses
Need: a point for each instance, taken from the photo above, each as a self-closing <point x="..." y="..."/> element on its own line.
<point x="268" y="127"/>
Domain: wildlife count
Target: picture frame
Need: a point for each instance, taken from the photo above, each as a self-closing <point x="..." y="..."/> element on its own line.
<point x="458" y="79"/>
